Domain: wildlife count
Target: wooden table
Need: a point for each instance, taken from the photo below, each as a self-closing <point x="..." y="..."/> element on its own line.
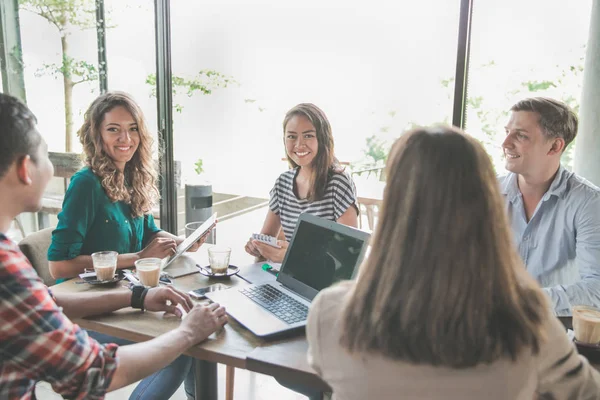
<point x="233" y="345"/>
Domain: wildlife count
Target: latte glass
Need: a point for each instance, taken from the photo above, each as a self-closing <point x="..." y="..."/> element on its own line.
<point x="218" y="257"/>
<point x="105" y="264"/>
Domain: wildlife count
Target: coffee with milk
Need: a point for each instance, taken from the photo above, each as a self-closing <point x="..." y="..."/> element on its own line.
<point x="586" y="324"/>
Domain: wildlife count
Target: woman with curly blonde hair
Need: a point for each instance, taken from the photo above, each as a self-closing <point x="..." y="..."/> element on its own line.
<point x="108" y="207"/>
<point x="108" y="203"/>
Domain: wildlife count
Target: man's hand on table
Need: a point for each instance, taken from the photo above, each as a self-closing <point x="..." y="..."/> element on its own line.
<point x="203" y="320"/>
<point x="166" y="299"/>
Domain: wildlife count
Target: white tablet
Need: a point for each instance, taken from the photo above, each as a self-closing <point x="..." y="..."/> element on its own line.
<point x="190" y="240"/>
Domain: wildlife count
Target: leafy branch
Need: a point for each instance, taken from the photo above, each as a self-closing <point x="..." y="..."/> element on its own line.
<point x="204" y="82"/>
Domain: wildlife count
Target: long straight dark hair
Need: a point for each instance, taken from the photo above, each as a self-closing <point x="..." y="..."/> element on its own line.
<point x="443" y="284"/>
<point x="325" y="163"/>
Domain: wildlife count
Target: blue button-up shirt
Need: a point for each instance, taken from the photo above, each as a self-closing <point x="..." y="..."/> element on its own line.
<point x="560" y="245"/>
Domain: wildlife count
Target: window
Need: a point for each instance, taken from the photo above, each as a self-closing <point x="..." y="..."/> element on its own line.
<point x="522" y="49"/>
<point x="60" y="70"/>
<point x="375" y="68"/>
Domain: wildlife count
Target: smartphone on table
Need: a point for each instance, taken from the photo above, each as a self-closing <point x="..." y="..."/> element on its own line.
<point x="200" y="294"/>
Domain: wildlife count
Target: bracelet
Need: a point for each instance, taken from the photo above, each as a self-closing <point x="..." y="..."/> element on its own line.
<point x="137" y="296"/>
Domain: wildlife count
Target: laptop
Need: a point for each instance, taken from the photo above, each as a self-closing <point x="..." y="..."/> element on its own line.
<point x="320" y="253"/>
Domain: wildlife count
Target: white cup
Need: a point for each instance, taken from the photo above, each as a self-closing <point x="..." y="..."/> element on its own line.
<point x="148" y="271"/>
<point x="105" y="264"/>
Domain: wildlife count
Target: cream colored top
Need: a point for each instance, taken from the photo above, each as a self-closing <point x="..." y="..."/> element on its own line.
<point x="557" y="371"/>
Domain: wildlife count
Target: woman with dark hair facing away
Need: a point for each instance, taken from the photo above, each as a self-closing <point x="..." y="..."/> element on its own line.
<point x="443" y="307"/>
<point x="314" y="184"/>
<point x="108" y="207"/>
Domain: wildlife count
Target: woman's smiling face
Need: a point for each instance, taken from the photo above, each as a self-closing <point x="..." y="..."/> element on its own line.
<point x="120" y="136"/>
<point x="301" y="142"/>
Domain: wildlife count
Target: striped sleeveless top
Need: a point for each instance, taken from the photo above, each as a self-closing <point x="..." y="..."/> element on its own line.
<point x="339" y="195"/>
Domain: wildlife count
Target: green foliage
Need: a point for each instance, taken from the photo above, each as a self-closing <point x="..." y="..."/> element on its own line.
<point x="198" y="167"/>
<point x="71" y="68"/>
<point x="377" y="149"/>
<point x="535" y="86"/>
<point x="486" y="118"/>
<point x="204" y="82"/>
<point x="63" y="13"/>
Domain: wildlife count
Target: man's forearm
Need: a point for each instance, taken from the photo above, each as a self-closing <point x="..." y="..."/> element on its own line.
<point x="137" y="361"/>
<point x="78" y="305"/>
<point x="584" y="292"/>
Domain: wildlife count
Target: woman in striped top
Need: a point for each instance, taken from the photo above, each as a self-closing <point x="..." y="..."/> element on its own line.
<point x="315" y="184"/>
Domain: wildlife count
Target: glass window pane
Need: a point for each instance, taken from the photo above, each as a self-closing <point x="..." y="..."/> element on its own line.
<point x="375" y="68"/>
<point x="522" y="49"/>
<point x="60" y="57"/>
<point x="130" y="53"/>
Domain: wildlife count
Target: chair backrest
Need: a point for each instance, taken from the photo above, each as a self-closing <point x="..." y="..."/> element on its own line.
<point x="35" y="247"/>
<point x="65" y="165"/>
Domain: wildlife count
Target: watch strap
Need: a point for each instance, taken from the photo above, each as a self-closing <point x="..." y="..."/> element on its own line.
<point x="138" y="294"/>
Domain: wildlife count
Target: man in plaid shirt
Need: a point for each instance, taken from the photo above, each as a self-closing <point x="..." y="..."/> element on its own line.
<point x="37" y="339"/>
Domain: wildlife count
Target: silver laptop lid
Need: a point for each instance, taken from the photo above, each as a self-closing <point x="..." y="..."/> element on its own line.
<point x="320" y="253"/>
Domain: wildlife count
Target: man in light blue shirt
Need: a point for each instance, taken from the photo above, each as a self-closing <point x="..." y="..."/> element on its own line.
<point x="554" y="214"/>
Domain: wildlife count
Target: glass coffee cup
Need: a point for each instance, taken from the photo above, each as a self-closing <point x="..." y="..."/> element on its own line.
<point x="105" y="264"/>
<point x="586" y="324"/>
<point x="148" y="271"/>
<point x="218" y="257"/>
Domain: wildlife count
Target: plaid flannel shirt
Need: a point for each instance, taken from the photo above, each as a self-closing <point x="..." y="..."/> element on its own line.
<point x="38" y="342"/>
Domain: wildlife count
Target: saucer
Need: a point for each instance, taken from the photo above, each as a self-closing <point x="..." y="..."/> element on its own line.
<point x="231" y="270"/>
<point x="93" y="281"/>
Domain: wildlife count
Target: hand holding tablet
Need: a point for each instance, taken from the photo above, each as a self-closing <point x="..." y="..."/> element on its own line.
<point x="190" y="240"/>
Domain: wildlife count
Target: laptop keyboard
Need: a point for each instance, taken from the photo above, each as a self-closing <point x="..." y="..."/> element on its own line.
<point x="280" y="304"/>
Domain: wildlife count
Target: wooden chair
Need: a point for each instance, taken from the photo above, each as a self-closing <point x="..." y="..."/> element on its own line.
<point x="35" y="247"/>
<point x="376" y="172"/>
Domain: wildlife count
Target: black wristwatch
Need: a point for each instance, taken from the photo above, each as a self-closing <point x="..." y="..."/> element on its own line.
<point x="138" y="294"/>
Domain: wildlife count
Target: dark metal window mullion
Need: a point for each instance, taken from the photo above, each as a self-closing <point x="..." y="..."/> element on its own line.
<point x="168" y="192"/>
<point x="101" y="38"/>
<point x="461" y="81"/>
<point x="11" y="58"/>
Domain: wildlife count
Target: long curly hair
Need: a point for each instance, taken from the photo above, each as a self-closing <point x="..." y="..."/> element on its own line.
<point x="136" y="185"/>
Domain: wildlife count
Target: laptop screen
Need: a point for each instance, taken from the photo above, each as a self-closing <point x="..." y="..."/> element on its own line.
<point x="321" y="253"/>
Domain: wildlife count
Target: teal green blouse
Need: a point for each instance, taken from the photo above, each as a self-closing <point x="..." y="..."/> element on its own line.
<point x="90" y="222"/>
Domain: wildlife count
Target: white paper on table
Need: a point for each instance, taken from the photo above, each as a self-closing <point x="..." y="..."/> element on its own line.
<point x="275" y="266"/>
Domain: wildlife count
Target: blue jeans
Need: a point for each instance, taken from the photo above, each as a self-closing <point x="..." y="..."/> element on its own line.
<point x="161" y="384"/>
